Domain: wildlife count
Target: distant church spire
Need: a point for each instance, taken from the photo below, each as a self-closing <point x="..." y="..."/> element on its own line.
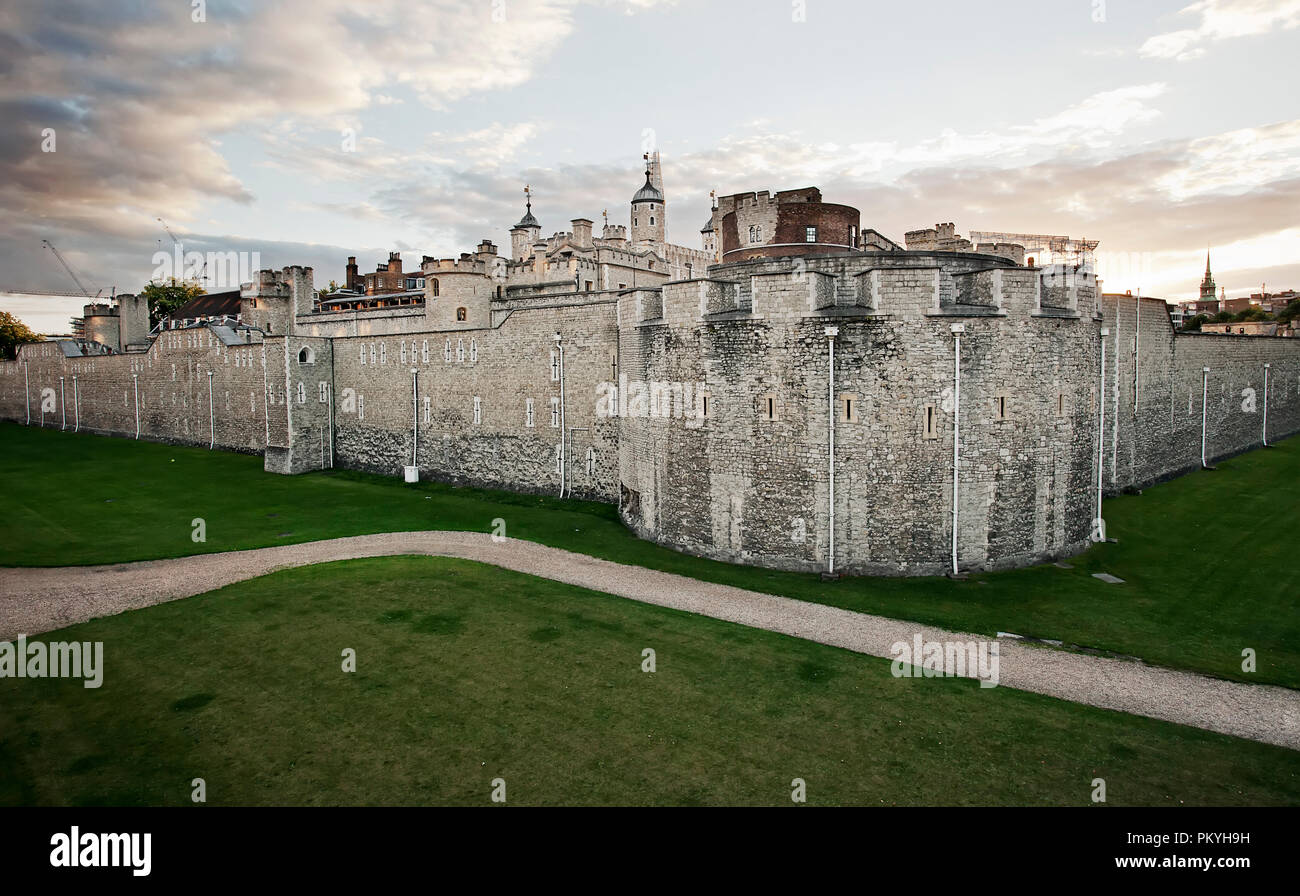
<point x="1207" y="285"/>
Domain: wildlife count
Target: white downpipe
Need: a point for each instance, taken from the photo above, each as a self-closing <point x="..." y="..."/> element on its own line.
<point x="1114" y="436"/>
<point x="564" y="448"/>
<point x="1101" y="425"/>
<point x="831" y="333"/>
<point x="1137" y="339"/>
<point x="63" y="405"/>
<point x="1266" y="367"/>
<point x="415" y="413"/>
<point x="27" y="391"/>
<point x="266" y="397"/>
<point x="329" y="395"/>
<point x="76" y="406"/>
<point x="957" y="330"/>
<point x="288" y="404"/>
<point x="1205" y="397"/>
<point x="212" y="417"/>
<point x="135" y="388"/>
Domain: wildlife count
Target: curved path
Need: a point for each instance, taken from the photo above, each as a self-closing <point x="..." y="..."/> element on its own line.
<point x="36" y="600"/>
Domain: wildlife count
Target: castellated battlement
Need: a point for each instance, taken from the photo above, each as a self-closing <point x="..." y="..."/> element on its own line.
<point x="896" y="285"/>
<point x="752" y="340"/>
<point x="700" y="391"/>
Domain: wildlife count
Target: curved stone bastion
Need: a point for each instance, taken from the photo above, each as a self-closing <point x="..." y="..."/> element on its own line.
<point x="729" y="455"/>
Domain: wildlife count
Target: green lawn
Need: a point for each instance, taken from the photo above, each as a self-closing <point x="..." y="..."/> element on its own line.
<point x="1208" y="559"/>
<point x="467" y="673"/>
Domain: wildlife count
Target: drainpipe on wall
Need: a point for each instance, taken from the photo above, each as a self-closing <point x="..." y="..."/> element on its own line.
<point x="957" y="330"/>
<point x="1114" y="440"/>
<point x="413" y="471"/>
<point x="1266" y="367"/>
<point x="831" y="333"/>
<point x="288" y="406"/>
<point x="329" y="395"/>
<point x="1137" y="337"/>
<point x="135" y="388"/>
<point x="564" y="460"/>
<point x="63" y="405"/>
<point x="76" y="406"/>
<point x="266" y="397"/>
<point x="1101" y="429"/>
<point x="1205" y="397"/>
<point x="212" y="417"/>
<point x="27" y="392"/>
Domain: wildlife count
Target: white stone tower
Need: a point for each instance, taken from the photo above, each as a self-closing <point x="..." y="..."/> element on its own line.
<point x="524" y="234"/>
<point x="648" y="210"/>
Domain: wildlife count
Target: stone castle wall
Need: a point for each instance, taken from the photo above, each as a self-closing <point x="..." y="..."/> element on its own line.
<point x="168" y="385"/>
<point x="1154" y="397"/>
<point x="740" y="484"/>
<point x="750" y="486"/>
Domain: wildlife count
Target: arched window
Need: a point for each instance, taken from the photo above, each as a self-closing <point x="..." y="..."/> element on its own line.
<point x="306" y="356"/>
<point x="461" y="314"/>
<point x="433" y="287"/>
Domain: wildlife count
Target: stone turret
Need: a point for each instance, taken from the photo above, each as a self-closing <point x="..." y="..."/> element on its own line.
<point x="648" y="212"/>
<point x="133" y="322"/>
<point x="524" y="234"/>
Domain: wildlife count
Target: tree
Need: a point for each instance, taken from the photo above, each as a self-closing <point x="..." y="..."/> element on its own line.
<point x="165" y="298"/>
<point x="1254" y="314"/>
<point x="13" y="333"/>
<point x="1193" y="325"/>
<point x="1290" y="312"/>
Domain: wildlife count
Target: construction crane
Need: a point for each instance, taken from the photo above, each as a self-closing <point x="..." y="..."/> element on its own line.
<point x="203" y="274"/>
<point x="71" y="273"/>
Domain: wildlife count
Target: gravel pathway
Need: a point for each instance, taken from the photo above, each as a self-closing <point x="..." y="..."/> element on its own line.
<point x="38" y="600"/>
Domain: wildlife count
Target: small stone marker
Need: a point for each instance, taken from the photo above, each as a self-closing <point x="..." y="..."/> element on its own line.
<point x="1108" y="578"/>
<point x="1061" y="564"/>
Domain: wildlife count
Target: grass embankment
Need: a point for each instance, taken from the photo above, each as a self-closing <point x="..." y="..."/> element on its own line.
<point x="467" y="673"/>
<point x="1208" y="560"/>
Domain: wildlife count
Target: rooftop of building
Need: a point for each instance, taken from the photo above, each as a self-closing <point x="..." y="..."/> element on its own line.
<point x="213" y="304"/>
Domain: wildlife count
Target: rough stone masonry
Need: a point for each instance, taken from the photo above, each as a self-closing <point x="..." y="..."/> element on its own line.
<point x="699" y="394"/>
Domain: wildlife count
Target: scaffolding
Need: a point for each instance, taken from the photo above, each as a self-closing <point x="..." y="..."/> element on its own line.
<point x="1058" y="249"/>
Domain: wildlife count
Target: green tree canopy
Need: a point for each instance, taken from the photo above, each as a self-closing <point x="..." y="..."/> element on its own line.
<point x="165" y="298"/>
<point x="13" y="333"/>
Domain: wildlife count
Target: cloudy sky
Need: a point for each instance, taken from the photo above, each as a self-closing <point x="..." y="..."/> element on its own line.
<point x="310" y="130"/>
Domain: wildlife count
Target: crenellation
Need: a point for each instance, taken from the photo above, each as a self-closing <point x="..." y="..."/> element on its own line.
<point x="699" y="396"/>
